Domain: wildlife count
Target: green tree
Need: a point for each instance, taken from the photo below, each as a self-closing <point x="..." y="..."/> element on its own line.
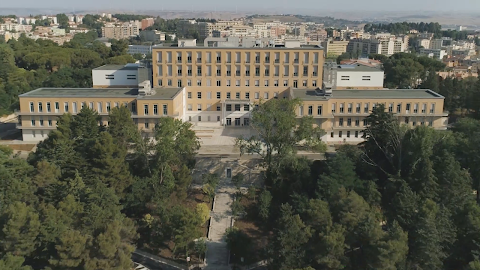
<point x="264" y="201"/>
<point x="11" y="262"/>
<point x="62" y="21"/>
<point x="237" y="180"/>
<point x="287" y="249"/>
<point x="279" y="133"/>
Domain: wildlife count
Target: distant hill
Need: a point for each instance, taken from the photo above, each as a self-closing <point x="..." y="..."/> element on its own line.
<point x="326" y="20"/>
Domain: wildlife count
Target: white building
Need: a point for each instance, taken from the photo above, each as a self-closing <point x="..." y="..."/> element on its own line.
<point x="141" y="49"/>
<point x="434" y="53"/>
<point x="355" y="76"/>
<point x="116" y="76"/>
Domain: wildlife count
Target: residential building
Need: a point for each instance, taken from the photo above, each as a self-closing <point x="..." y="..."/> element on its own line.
<point x="121" y="31"/>
<point x="354" y="76"/>
<point x="434" y="53"/>
<point x="187" y="28"/>
<point x="152" y="36"/>
<point x="378" y="45"/>
<point x="334" y="47"/>
<point x="147" y="23"/>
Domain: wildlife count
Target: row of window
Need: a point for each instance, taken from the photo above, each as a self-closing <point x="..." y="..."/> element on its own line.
<point x="258" y="71"/>
<point x="228" y="95"/>
<point x="238" y="57"/>
<point x="347" y="78"/>
<point x="228" y="107"/>
<point x="238" y="83"/>
<point x="100" y="108"/>
<point x="340" y="134"/>
<point x="228" y="121"/>
<point x="41" y="123"/>
<point x="366" y="108"/>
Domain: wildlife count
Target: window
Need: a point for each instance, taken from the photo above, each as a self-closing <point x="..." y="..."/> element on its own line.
<point x="356" y="134"/>
<point x="209" y="95"/>
<point x="32" y="107"/>
<point x="295" y="84"/>
<point x="246" y="107"/>
<point x="145" y="109"/>
<point x="40" y="107"/>
<point x="41" y="122"/>
<point x="109" y="76"/>
<point x="266" y="82"/>
<point x="319" y="110"/>
<point x="333" y="108"/>
<point x="345" y="78"/>
<point x="199" y="118"/>
<point x="189" y="82"/>
<point x="33" y="122"/>
<point x="228" y="107"/>
<point x="341" y="107"/>
<point x="155" y="109"/>
<point x="160" y="83"/>
<point x="340" y="134"/>
<point x="399" y="108"/>
<point x="237" y="107"/>
<point x="285" y="82"/>
<point x="365" y="108"/>
<point x="300" y="110"/>
<point x="247" y="95"/>
<point x="209" y="82"/>
<point x="219" y="109"/>
<point x="247" y="83"/>
<point x="246" y="121"/>
<point x="348" y="134"/>
<point x="237" y="83"/>
<point x="340" y="122"/>
<point x="432" y="109"/>
<point x="65" y="106"/>
<point x="199" y="107"/>
<point x="208" y="107"/>
<point x="365" y="122"/>
<point x="199" y="70"/>
<point x="74" y="105"/>
<point x="199" y="95"/>
<point x="228" y="95"/>
<point x="219" y="83"/>
<point x="49" y="123"/>
<point x="415" y="108"/>
<point x="146" y="125"/>
<point x="424" y="107"/>
<point x="390" y="107"/>
<point x="134" y="107"/>
<point x="332" y="134"/>
<point x="304" y="83"/>
<point x="310" y="110"/>
<point x="350" y="107"/>
<point x="314" y="83"/>
<point x="199" y="82"/>
<point x="406" y="120"/>
<point x="257" y="95"/>
<point x="265" y="95"/>
<point x="275" y="83"/>
<point x="237" y="95"/>
<point x="228" y="172"/>
<point x="407" y="108"/>
<point x="349" y="122"/>
<point x="365" y="78"/>
<point x="48" y="107"/>
<point x="357" y="122"/>
<point x="99" y="107"/>
<point x="169" y="82"/>
<point x="189" y="107"/>
<point x="357" y="110"/>
<point x="257" y="83"/>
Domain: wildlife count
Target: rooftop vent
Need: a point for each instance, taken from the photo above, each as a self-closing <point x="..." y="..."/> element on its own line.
<point x="145" y="89"/>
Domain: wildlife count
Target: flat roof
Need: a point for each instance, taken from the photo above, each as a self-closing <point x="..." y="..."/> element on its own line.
<point x="357" y="67"/>
<point x="117" y="67"/>
<point x="201" y="46"/>
<point x="161" y="93"/>
<point x="310" y="94"/>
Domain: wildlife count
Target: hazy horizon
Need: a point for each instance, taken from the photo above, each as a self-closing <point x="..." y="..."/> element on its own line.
<point x="269" y="6"/>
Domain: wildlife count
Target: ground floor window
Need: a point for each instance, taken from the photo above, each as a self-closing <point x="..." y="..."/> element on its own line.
<point x="340" y="134"/>
<point x="237" y="121"/>
<point x="199" y="119"/>
<point x="332" y="134"/>
<point x="218" y="118"/>
<point x="229" y="121"/>
<point x="356" y="134"/>
<point x="348" y="134"/>
<point x="246" y="121"/>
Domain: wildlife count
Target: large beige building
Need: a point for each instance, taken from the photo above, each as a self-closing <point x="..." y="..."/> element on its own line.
<point x="121" y="31"/>
<point x="219" y="86"/>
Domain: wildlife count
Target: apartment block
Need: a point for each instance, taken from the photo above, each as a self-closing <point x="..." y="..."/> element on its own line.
<point x="121" y="31"/>
<point x="353" y="76"/>
<point x="334" y="47"/>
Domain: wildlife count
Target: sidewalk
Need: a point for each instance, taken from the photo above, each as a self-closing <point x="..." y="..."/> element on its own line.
<point x="221" y="219"/>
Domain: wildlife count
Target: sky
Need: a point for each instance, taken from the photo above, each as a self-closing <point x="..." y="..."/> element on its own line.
<point x="284" y="6"/>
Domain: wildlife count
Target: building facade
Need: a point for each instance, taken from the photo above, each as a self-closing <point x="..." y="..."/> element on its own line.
<point x="219" y="86"/>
